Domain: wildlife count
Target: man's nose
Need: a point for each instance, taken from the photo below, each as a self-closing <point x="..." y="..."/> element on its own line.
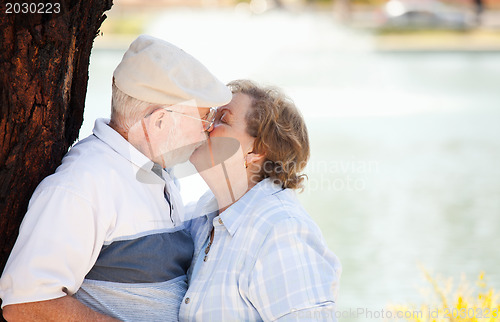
<point x="205" y="134"/>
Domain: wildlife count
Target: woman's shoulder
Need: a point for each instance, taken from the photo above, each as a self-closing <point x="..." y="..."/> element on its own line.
<point x="281" y="204"/>
<point x="278" y="209"/>
<point x="284" y="226"/>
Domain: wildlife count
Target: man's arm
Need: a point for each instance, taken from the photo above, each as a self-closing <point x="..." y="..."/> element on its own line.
<point x="58" y="243"/>
<point x="65" y="308"/>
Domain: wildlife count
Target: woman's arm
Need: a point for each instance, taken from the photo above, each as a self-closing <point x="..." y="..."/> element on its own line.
<point x="295" y="275"/>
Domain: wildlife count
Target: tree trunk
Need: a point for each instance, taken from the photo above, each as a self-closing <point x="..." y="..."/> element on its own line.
<point x="44" y="59"/>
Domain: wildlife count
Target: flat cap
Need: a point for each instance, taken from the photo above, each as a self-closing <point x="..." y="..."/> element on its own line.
<point x="155" y="71"/>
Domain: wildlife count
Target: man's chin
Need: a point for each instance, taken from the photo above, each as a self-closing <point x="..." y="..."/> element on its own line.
<point x="198" y="148"/>
<point x="185" y="156"/>
<point x="193" y="157"/>
<point x="179" y="157"/>
<point x="181" y="154"/>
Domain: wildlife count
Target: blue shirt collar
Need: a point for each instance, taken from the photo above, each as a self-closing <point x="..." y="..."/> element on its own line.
<point x="233" y="216"/>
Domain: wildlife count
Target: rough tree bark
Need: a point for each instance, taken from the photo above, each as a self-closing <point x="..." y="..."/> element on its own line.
<point x="44" y="59"/>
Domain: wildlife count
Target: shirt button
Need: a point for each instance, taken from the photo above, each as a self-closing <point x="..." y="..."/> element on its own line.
<point x="186" y="300"/>
<point x="220" y="221"/>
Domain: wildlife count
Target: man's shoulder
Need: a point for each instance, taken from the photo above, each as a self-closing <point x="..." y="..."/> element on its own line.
<point x="90" y="160"/>
<point x="88" y="151"/>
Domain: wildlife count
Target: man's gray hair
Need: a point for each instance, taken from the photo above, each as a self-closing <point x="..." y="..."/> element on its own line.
<point x="126" y="110"/>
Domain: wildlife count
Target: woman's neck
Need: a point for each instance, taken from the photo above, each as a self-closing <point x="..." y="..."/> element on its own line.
<point x="224" y="197"/>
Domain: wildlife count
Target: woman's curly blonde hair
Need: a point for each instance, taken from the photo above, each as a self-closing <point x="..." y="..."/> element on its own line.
<point x="280" y="134"/>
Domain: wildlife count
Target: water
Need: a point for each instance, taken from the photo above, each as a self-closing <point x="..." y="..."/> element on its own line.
<point x="405" y="147"/>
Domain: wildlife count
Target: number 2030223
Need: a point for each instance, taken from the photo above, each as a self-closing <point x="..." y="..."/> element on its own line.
<point x="16" y="7"/>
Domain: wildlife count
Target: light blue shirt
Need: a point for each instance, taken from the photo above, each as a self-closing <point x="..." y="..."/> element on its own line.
<point x="268" y="261"/>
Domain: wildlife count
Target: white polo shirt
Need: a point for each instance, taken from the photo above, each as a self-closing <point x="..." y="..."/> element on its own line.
<point x="101" y="226"/>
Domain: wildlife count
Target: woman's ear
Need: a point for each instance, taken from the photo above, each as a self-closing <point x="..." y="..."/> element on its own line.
<point x="255" y="158"/>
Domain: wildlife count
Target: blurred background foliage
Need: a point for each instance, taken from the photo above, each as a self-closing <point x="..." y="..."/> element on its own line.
<point x="446" y="300"/>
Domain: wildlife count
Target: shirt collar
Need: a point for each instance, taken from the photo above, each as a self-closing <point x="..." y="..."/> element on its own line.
<point x="118" y="143"/>
<point x="233" y="216"/>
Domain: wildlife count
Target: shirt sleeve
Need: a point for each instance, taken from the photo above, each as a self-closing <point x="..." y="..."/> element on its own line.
<point x="59" y="241"/>
<point x="295" y="276"/>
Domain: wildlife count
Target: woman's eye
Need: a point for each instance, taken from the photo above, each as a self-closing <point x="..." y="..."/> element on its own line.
<point x="223" y="118"/>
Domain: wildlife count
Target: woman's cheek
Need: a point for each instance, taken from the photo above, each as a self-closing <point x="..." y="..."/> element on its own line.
<point x="218" y="131"/>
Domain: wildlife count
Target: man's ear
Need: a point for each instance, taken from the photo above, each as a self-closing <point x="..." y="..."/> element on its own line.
<point x="157" y="120"/>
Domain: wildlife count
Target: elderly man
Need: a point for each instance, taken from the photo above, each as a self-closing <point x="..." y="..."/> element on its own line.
<point x="103" y="237"/>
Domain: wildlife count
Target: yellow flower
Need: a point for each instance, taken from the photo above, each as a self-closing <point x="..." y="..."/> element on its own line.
<point x="472" y="304"/>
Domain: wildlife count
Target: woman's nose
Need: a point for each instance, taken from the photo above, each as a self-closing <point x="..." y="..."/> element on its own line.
<point x="210" y="128"/>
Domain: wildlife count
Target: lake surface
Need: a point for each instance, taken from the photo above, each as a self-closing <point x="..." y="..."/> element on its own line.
<point x="405" y="155"/>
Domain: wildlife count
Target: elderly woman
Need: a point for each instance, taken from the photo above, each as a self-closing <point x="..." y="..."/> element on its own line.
<point x="258" y="254"/>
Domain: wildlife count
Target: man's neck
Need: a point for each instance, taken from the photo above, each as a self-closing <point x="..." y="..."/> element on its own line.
<point x="135" y="139"/>
<point x="118" y="129"/>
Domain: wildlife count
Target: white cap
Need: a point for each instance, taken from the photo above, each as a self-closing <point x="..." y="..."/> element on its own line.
<point x="153" y="70"/>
